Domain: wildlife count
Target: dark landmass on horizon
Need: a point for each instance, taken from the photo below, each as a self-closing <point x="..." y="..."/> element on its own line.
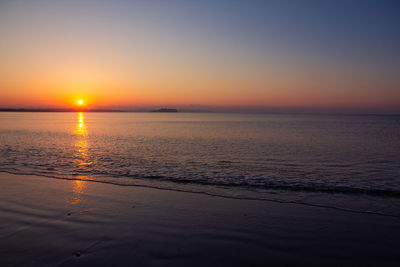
<point x="58" y="110"/>
<point x="165" y="110"/>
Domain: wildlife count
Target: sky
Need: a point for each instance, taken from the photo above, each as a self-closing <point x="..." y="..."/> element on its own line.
<point x="220" y="54"/>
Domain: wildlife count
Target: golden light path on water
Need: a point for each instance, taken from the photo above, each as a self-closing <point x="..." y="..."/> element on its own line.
<point x="81" y="157"/>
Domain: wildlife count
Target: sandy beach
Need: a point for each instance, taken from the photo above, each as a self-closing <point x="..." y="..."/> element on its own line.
<point x="50" y="222"/>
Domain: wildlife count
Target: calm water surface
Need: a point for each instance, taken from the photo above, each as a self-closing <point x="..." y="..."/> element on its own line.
<point x="350" y="162"/>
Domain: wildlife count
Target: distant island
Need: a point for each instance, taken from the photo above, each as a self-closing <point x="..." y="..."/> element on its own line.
<point x="165" y="110"/>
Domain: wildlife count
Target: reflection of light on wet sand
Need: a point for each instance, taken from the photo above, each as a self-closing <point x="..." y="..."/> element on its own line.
<point x="78" y="188"/>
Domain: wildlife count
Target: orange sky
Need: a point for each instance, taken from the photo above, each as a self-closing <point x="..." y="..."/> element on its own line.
<point x="53" y="54"/>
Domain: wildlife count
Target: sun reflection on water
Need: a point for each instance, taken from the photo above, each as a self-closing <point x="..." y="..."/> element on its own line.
<point x="81" y="158"/>
<point x="81" y="155"/>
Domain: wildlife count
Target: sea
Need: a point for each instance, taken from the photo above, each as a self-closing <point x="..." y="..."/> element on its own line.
<point x="347" y="162"/>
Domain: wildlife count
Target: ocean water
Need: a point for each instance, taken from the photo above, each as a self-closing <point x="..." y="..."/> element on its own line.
<point x="338" y="161"/>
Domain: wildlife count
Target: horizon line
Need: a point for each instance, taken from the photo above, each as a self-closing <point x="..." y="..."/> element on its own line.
<point x="99" y="110"/>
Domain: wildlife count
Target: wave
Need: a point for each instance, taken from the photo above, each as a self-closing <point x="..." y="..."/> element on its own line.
<point x="265" y="184"/>
<point x="317" y="188"/>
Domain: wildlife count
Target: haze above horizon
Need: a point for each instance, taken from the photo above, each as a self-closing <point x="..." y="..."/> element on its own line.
<point x="304" y="56"/>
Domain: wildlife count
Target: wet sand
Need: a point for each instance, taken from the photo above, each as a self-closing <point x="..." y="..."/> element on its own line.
<point x="50" y="222"/>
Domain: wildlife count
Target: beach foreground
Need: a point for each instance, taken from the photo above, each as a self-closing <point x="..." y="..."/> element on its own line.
<point x="53" y="222"/>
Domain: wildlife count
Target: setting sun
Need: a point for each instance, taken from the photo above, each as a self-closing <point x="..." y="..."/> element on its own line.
<point x="80" y="102"/>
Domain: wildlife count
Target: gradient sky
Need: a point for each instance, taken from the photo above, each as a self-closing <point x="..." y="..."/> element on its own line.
<point x="285" y="54"/>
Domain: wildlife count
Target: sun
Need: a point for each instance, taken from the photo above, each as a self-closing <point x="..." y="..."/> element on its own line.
<point x="80" y="102"/>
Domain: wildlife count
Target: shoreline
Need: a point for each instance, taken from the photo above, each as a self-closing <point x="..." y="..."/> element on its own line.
<point x="109" y="224"/>
<point x="211" y="194"/>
